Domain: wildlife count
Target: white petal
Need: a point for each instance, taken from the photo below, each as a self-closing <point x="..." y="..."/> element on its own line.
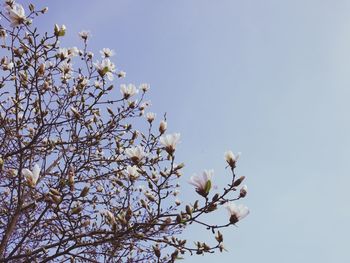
<point x="27" y="173"/>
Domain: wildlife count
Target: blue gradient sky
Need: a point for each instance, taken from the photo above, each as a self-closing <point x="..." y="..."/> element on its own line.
<point x="267" y="78"/>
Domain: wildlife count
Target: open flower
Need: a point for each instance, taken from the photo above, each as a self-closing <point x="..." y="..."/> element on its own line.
<point x="150" y="116"/>
<point x="231" y="159"/>
<point x="66" y="69"/>
<point x="136" y="154"/>
<point x="128" y="90"/>
<point x="84" y="35"/>
<point x="105" y="68"/>
<point x="202" y="182"/>
<point x="106" y="52"/>
<point x="237" y="212"/>
<point x="16" y="14"/>
<point x="63" y="53"/>
<point x="169" y="141"/>
<point x="6" y="64"/>
<point x="32" y="176"/>
<point x="144" y="87"/>
<point x="121" y="74"/>
<point x="132" y="172"/>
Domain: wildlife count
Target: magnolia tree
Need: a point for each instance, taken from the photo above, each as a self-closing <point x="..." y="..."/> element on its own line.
<point x="78" y="181"/>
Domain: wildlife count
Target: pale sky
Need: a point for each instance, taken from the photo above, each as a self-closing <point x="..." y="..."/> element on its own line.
<point x="267" y="78"/>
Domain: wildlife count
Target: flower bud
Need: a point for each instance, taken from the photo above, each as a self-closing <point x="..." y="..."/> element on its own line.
<point x="238" y="181"/>
<point x="44" y="10"/>
<point x="189" y="210"/>
<point x="59" y="31"/>
<point x="41" y="69"/>
<point x="156" y="251"/>
<point x="243" y="192"/>
<point x="219" y="237"/>
<point x="162" y="127"/>
<point x="231" y="159"/>
<point x="76" y="210"/>
<point x="150" y="117"/>
<point x="85" y="191"/>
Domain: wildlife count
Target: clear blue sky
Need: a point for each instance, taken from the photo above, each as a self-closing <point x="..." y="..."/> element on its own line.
<point x="268" y="78"/>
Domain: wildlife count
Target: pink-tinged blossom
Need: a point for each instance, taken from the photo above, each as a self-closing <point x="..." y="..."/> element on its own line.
<point x="202" y="182"/>
<point x="237" y="212"/>
<point x="170" y="141"/>
<point x="32" y="176"/>
<point x="16" y="14"/>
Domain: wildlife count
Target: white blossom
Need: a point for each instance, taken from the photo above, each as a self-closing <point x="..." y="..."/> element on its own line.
<point x="128" y="90"/>
<point x="150" y="196"/>
<point x="16" y="14"/>
<point x="84" y="34"/>
<point x="169" y="141"/>
<point x="132" y="172"/>
<point x="99" y="188"/>
<point x="90" y="55"/>
<point x="7" y="64"/>
<point x="144" y="87"/>
<point x="136" y="154"/>
<point x="105" y="68"/>
<point x="237" y="212"/>
<point x="32" y="176"/>
<point x="97" y="84"/>
<point x="74" y="51"/>
<point x="66" y="69"/>
<point x="109" y="216"/>
<point x="121" y="74"/>
<point x="202" y="182"/>
<point x="83" y="81"/>
<point x="150" y="116"/>
<point x="63" y="53"/>
<point x="231" y="159"/>
<point x="106" y="53"/>
<point x="145" y="105"/>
